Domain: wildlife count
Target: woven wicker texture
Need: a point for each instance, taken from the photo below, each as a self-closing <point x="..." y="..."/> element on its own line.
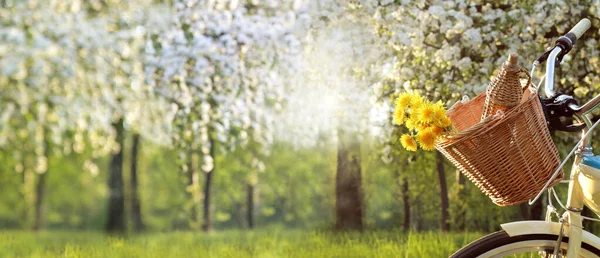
<point x="465" y="115"/>
<point x="509" y="158"/>
<point x="505" y="91"/>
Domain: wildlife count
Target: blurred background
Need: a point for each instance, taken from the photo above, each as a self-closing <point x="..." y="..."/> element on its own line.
<point x="150" y="115"/>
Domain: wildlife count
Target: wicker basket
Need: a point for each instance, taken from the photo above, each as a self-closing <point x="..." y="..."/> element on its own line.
<point x="509" y="157"/>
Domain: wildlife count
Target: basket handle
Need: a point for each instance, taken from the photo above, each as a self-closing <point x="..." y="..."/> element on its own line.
<point x="523" y="70"/>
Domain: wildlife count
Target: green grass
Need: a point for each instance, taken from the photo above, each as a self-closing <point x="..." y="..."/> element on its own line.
<point x="260" y="243"/>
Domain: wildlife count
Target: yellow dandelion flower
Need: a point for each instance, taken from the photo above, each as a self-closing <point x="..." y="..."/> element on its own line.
<point x="416" y="100"/>
<point x="425" y="113"/>
<point x="408" y="142"/>
<point x="399" y="116"/>
<point x="426" y="139"/>
<point x="422" y="126"/>
<point x="403" y="101"/>
<point x="411" y="124"/>
<point x="438" y="131"/>
<point x="445" y="122"/>
<point x="438" y="110"/>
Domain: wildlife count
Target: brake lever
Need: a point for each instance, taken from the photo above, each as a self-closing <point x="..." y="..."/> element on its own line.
<point x="559" y="106"/>
<point x="558" y="125"/>
<point x="565" y="43"/>
<point x="543" y="57"/>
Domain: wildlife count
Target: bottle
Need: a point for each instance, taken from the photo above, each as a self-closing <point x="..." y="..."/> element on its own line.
<point x="505" y="91"/>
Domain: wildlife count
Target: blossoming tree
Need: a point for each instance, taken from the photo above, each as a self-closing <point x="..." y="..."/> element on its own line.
<point x="333" y="96"/>
<point x="446" y="49"/>
<point x="75" y="72"/>
<point x="222" y="66"/>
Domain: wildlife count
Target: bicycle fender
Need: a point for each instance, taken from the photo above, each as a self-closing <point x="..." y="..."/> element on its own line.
<point x="545" y="227"/>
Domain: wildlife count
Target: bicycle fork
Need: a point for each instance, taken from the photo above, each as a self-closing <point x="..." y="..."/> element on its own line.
<point x="575" y="230"/>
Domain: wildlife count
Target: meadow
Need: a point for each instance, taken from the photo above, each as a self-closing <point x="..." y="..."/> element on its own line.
<point x="234" y="243"/>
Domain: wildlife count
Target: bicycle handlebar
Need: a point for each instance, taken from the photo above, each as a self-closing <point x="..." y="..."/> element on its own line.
<point x="563" y="45"/>
<point x="549" y="86"/>
<point x="581" y="27"/>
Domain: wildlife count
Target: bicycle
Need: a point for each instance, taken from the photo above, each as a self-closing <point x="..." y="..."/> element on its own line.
<point x="566" y="236"/>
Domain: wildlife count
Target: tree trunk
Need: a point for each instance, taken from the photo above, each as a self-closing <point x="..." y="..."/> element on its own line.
<point x="25" y="213"/>
<point x="192" y="176"/>
<point x="136" y="211"/>
<point x="250" y="206"/>
<point x="462" y="195"/>
<point x="40" y="192"/>
<point x="444" y="224"/>
<point x="406" y="201"/>
<point x="27" y="217"/>
<point x="116" y="198"/>
<point x="348" y="184"/>
<point x="282" y="210"/>
<point x="403" y="217"/>
<point x="536" y="211"/>
<point x="533" y="212"/>
<point x="418" y="216"/>
<point x="207" y="225"/>
<point x="40" y="188"/>
<point x="524" y="209"/>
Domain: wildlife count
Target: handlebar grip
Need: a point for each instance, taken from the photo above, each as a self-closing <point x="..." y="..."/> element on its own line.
<point x="581" y="27"/>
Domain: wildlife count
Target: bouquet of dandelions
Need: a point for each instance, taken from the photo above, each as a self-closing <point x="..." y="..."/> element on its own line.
<point x="426" y="121"/>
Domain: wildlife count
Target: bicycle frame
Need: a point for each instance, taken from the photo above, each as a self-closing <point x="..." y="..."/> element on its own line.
<point x="580" y="183"/>
<point x="576" y="193"/>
